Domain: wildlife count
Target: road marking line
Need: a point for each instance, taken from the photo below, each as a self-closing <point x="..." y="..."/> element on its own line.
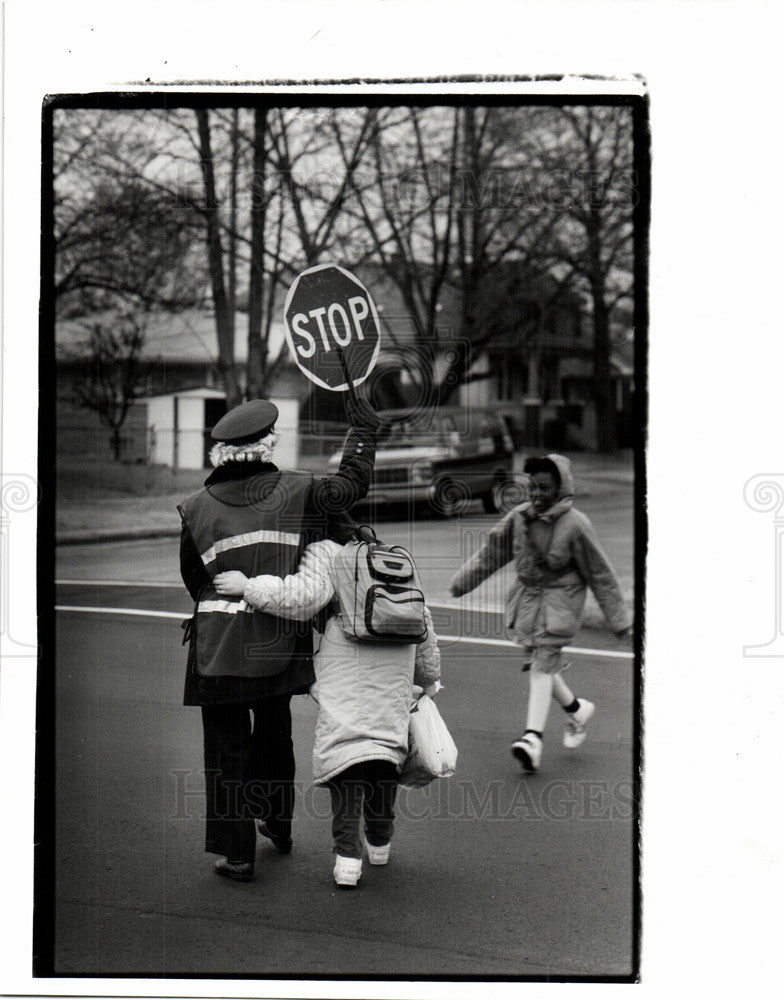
<point x="116" y="583"/>
<point x="483" y="608"/>
<point x="617" y="654"/>
<point x="182" y="615"/>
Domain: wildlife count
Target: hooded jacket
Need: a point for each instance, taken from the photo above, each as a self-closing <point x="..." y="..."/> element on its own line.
<point x="364" y="690"/>
<point x="557" y="556"/>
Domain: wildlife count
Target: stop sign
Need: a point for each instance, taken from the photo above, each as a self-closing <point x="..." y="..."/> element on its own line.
<point x="332" y="326"/>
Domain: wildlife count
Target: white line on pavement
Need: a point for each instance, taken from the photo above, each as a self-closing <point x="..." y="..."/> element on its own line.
<point x="140" y="612"/>
<point x="117" y="583"/>
<point x="473" y="608"/>
<point x="122" y="611"/>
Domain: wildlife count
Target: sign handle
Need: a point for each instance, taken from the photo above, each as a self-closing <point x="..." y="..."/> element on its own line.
<point x="352" y="392"/>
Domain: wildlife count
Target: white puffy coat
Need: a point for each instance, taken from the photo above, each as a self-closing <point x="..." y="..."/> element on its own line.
<point x="364" y="690"/>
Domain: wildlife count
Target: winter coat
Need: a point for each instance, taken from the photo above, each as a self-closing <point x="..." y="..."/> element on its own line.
<point x="557" y="556"/>
<point x="364" y="690"/>
<point x="327" y="495"/>
<point x="234" y="531"/>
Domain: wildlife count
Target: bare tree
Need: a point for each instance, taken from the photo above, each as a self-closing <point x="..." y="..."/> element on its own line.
<point x="115" y="233"/>
<point x="590" y="160"/>
<point x="224" y="316"/>
<point x="443" y="212"/>
<point x="114" y="372"/>
<point x="406" y="202"/>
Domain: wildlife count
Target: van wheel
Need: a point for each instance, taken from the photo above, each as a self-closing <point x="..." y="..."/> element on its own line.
<point x="450" y="498"/>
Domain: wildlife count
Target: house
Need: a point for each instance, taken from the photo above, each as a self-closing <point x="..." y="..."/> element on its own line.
<point x="536" y="363"/>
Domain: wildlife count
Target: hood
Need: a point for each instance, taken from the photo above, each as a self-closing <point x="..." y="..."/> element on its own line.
<point x="564" y="467"/>
<point x="565" y="496"/>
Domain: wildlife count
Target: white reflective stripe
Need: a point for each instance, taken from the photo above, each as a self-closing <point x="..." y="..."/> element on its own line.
<point x="229" y="607"/>
<point x="249" y="538"/>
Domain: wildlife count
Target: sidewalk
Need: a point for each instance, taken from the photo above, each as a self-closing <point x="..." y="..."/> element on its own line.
<point x="81" y="520"/>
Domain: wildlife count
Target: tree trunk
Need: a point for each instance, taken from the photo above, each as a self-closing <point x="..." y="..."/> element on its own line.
<point x="116" y="441"/>
<point x="602" y="374"/>
<point x="235" y="151"/>
<point x="469" y="232"/>
<point x="257" y="355"/>
<point x="223" y="319"/>
<point x="603" y="382"/>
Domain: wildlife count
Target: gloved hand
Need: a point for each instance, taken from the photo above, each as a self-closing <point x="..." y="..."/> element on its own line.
<point x="361" y="414"/>
<point x="432" y="689"/>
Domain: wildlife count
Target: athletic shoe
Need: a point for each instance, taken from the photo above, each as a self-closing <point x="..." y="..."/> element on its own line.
<point x="528" y="750"/>
<point x="377" y="855"/>
<point x="574" y="734"/>
<point x="283" y="844"/>
<point x="240" y="871"/>
<point x="347" y="871"/>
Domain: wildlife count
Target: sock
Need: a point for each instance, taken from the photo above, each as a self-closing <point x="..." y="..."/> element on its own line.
<point x="539" y="696"/>
<point x="571" y="709"/>
<point x="535" y="733"/>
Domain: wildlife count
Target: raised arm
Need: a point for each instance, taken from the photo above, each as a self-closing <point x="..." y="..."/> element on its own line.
<point x="351" y="482"/>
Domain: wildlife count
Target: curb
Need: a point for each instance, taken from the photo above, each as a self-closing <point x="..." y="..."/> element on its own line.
<point x="114" y="535"/>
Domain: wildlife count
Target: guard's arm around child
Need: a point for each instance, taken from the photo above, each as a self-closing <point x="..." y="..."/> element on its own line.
<point x="299" y="596"/>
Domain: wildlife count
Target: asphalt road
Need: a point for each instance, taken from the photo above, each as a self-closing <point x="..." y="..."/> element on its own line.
<point x="493" y="873"/>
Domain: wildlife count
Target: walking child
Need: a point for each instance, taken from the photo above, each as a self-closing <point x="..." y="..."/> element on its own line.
<point x="364" y="692"/>
<point x="557" y="556"/>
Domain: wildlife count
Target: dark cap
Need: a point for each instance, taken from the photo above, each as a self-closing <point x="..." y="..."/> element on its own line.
<point x="246" y="422"/>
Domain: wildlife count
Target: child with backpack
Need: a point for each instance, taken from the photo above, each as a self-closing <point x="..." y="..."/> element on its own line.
<point x="557" y="556"/>
<point x="364" y="689"/>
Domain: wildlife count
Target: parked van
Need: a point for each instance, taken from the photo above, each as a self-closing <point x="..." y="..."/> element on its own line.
<point x="446" y="456"/>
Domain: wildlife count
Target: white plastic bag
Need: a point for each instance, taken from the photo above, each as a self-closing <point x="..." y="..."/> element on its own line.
<point x="431" y="750"/>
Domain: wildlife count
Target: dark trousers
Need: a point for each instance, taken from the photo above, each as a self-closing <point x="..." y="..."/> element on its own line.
<point x="367" y="789"/>
<point x="249" y="774"/>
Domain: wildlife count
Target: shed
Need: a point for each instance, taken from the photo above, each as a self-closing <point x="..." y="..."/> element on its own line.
<point x="179" y="425"/>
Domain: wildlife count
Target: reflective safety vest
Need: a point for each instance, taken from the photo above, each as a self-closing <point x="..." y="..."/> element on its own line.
<point x="253" y="525"/>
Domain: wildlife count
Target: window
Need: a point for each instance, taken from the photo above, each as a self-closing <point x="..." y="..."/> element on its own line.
<point x="511" y="378"/>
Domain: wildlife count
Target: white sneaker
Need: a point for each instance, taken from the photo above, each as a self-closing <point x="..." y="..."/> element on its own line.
<point x="377" y="855"/>
<point x="574" y="734"/>
<point x="528" y="750"/>
<point x="347" y="870"/>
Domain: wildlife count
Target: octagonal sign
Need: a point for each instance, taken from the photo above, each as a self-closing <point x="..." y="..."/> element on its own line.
<point x="332" y="327"/>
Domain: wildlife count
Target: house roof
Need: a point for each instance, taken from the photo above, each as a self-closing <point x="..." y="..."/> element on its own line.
<point x="185" y="337"/>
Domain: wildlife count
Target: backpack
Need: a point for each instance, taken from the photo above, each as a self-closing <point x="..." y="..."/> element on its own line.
<point x="379" y="592"/>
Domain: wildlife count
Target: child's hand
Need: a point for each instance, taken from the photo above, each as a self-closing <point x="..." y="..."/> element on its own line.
<point x="231" y="583"/>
